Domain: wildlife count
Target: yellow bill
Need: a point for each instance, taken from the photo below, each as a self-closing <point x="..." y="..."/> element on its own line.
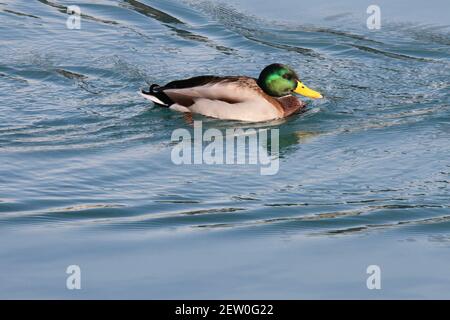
<point x="307" y="92"/>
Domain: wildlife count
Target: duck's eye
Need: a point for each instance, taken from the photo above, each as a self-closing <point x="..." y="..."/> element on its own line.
<point x="287" y="76"/>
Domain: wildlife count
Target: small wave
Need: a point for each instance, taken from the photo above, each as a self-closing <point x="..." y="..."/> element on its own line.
<point x="21" y="14"/>
<point x="388" y="54"/>
<point x="172" y="22"/>
<point x="63" y="9"/>
<point x="374" y="227"/>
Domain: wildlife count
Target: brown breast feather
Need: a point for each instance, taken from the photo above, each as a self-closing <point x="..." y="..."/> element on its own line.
<point x="290" y="104"/>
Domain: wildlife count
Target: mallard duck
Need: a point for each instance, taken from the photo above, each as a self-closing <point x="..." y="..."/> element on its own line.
<point x="236" y="97"/>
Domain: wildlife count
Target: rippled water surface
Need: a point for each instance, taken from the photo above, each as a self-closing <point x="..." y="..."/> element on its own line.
<point x="86" y="176"/>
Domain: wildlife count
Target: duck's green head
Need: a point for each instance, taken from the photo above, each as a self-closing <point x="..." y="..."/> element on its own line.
<point x="279" y="80"/>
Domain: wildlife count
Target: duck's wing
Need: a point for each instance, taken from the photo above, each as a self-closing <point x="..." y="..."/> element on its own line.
<point x="195" y="82"/>
<point x="226" y="89"/>
<point x="184" y="92"/>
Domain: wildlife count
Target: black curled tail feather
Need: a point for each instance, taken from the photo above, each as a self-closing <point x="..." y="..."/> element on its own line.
<point x="158" y="92"/>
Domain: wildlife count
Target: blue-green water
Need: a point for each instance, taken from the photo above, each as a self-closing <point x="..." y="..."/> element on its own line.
<point x="86" y="176"/>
